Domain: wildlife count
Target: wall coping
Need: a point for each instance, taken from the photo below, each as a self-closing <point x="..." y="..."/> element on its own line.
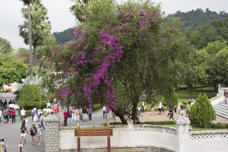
<point x="220" y="131"/>
<point x="122" y="126"/>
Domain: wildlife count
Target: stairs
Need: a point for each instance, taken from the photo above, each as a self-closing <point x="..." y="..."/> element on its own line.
<point x="221" y="109"/>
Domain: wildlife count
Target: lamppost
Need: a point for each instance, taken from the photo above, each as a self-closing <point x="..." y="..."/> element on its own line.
<point x="28" y="3"/>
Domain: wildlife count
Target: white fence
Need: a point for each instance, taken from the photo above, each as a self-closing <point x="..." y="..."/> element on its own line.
<point x="178" y="139"/>
<point x="152" y="136"/>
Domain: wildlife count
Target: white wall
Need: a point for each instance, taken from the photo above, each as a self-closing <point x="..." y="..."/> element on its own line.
<point x="209" y="141"/>
<point x="123" y="137"/>
<point x="149" y="136"/>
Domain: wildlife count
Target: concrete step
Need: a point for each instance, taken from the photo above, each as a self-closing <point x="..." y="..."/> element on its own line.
<point x="222" y="115"/>
<point x="218" y="107"/>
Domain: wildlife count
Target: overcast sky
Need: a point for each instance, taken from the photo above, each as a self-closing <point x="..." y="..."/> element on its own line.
<point x="61" y="18"/>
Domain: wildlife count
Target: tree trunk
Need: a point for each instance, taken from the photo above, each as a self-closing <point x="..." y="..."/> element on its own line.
<point x="134" y="113"/>
<point x="189" y="87"/>
<point x="120" y="113"/>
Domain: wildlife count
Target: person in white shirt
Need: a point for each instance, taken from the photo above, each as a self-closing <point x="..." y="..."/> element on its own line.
<point x="104" y="111"/>
<point x="22" y="113"/>
<point x="0" y="115"/>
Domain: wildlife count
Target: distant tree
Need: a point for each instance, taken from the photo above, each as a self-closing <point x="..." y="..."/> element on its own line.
<point x="5" y="47"/>
<point x="193" y="68"/>
<point x="213" y="47"/>
<point x="198" y="17"/>
<point x="218" y="68"/>
<point x="202" y="112"/>
<point x="11" y="70"/>
<point x="221" y="27"/>
<point x="22" y="51"/>
<point x="41" y="27"/>
<point x="202" y="35"/>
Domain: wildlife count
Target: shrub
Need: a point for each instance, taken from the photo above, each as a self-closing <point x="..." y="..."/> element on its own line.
<point x="29" y="97"/>
<point x="160" y="122"/>
<point x="202" y="113"/>
<point x="28" y="113"/>
<point x="97" y="107"/>
<point x="219" y="126"/>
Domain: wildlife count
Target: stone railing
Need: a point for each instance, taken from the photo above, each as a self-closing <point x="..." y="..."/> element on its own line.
<point x="209" y="141"/>
<point x="138" y="136"/>
<point x="178" y="139"/>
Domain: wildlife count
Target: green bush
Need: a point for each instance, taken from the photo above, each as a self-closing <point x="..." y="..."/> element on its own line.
<point x="219" y="126"/>
<point x="28" y="113"/>
<point x="160" y="122"/>
<point x="30" y="96"/>
<point x="202" y="113"/>
<point x="97" y="107"/>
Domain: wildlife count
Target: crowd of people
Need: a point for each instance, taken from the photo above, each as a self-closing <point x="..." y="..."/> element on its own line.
<point x="78" y="114"/>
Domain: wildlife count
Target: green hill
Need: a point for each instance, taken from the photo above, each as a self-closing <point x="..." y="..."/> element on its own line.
<point x="191" y="20"/>
<point x="64" y="36"/>
<point x="198" y="17"/>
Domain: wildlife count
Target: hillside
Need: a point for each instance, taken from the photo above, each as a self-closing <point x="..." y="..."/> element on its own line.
<point x="197" y="17"/>
<point x="191" y="19"/>
<point x="64" y="36"/>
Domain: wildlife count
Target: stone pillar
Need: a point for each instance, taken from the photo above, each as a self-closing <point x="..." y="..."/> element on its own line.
<point x="183" y="136"/>
<point x="52" y="133"/>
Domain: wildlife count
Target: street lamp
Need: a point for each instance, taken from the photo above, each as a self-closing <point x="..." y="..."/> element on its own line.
<point x="28" y="3"/>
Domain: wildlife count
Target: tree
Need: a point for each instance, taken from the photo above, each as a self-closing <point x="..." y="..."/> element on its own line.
<point x="218" y="68"/>
<point x="202" y="35"/>
<point x="11" y="70"/>
<point x="30" y="97"/>
<point x="122" y="53"/>
<point x="5" y="47"/>
<point x="40" y="25"/>
<point x="79" y="9"/>
<point x="193" y="68"/>
<point x="202" y="112"/>
<point x="221" y="27"/>
<point x="214" y="67"/>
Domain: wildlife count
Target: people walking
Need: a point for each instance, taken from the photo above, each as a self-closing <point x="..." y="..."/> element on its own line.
<point x="65" y="114"/>
<point x="13" y="113"/>
<point x="22" y="113"/>
<point x="0" y="115"/>
<point x="23" y="132"/>
<point x="104" y="111"/>
<point x="90" y="113"/>
<point x="6" y="117"/>
<point x="33" y="132"/>
<point x="39" y="134"/>
<point x="2" y="145"/>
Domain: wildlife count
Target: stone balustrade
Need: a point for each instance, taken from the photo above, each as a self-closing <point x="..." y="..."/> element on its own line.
<point x="167" y="139"/>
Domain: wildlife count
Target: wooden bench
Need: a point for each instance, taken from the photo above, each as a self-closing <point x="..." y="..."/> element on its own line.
<point x="93" y="132"/>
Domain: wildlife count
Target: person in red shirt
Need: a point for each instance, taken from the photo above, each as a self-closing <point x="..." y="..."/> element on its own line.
<point x="13" y="115"/>
<point x="65" y="114"/>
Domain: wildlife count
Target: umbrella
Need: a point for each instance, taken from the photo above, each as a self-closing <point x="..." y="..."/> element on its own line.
<point x="11" y="105"/>
<point x="16" y="107"/>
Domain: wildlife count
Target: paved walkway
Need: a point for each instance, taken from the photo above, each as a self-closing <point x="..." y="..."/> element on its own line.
<point x="97" y="119"/>
<point x="156" y="116"/>
<point x="11" y="133"/>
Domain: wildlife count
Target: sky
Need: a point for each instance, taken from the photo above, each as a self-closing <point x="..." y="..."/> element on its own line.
<point x="61" y="18"/>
